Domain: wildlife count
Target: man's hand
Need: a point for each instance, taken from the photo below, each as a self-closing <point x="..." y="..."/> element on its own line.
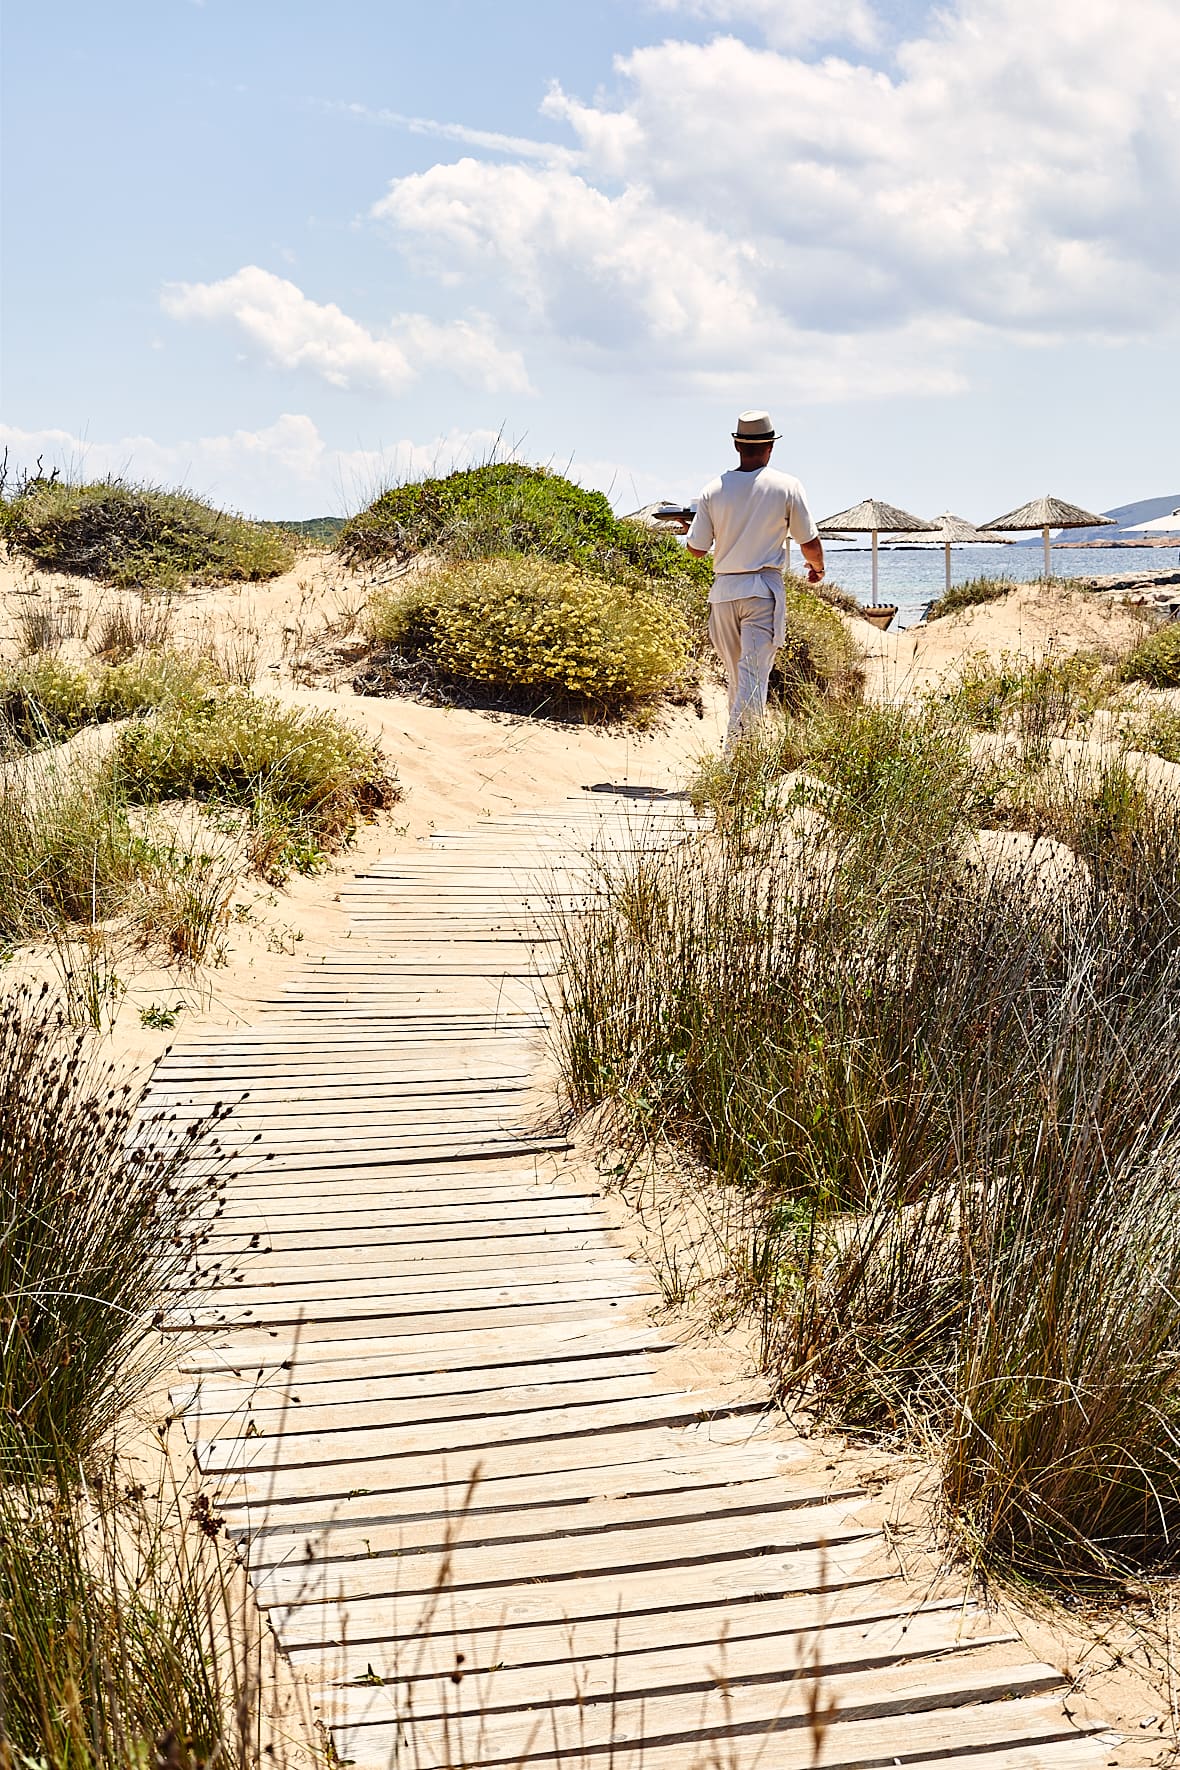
<point x="813" y="553"/>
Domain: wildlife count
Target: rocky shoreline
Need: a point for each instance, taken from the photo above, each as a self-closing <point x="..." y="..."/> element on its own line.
<point x="1160" y="589"/>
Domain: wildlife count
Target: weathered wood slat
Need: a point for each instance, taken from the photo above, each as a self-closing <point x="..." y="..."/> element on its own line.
<point x="925" y="1717"/>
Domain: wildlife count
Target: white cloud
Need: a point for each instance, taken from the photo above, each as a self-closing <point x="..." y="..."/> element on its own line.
<point x="295" y="332"/>
<point x="742" y="211"/>
<point x="285" y="469"/>
<point x="789" y="24"/>
<point x="520" y="147"/>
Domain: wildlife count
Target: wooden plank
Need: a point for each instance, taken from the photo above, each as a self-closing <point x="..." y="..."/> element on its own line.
<point x="413" y="1319"/>
<point x="718" y="1573"/>
<point x="489" y="1147"/>
<point x="379" y="1301"/>
<point x="512" y="1215"/>
<point x="364" y="1287"/>
<point x="396" y="1224"/>
<point x="575" y="1250"/>
<point x="310" y="1352"/>
<point x="311" y="1579"/>
<point x="770" y="1661"/>
<point x="443" y="1494"/>
<point x="384" y="1406"/>
<point x="605" y="1520"/>
<point x="405" y="1381"/>
<point x="930" y="1719"/>
<point x="403" y="1274"/>
<point x="557" y="1641"/>
<point x="471" y="1435"/>
<point x="335" y="1477"/>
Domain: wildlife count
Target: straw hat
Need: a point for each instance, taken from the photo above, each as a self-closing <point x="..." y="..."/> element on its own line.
<point x="755" y="427"/>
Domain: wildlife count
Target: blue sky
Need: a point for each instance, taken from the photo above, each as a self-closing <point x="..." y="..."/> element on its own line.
<point x="283" y="252"/>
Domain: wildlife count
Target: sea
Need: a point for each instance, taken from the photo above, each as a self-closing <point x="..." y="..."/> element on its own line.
<point x="913" y="577"/>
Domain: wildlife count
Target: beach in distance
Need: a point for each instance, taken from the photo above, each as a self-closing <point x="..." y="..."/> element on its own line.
<point x="913" y="576"/>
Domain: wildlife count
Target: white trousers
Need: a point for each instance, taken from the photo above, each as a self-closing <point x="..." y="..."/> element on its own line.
<point x="742" y="633"/>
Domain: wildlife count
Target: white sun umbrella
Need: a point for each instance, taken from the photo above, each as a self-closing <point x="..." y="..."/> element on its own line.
<point x="949" y="531"/>
<point x="1049" y="513"/>
<point x="1159" y="525"/>
<point x="874" y="518"/>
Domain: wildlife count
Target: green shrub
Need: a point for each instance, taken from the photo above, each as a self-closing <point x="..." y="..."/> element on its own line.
<point x="970" y="595"/>
<point x="818" y="651"/>
<point x="1154" y="729"/>
<point x="564" y="637"/>
<point x="134" y="536"/>
<point x="303" y="776"/>
<point x="504" y="507"/>
<point x="44" y="699"/>
<point x="1156" y="659"/>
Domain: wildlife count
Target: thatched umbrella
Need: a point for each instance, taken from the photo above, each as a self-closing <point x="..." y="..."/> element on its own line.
<point x="873" y="518"/>
<point x="951" y="531"/>
<point x="1050" y="513"/>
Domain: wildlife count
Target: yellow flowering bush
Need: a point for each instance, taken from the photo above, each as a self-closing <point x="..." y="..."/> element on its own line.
<point x="520" y="623"/>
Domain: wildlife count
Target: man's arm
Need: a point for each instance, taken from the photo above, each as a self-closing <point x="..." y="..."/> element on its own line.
<point x="700" y="530"/>
<point x="813" y="553"/>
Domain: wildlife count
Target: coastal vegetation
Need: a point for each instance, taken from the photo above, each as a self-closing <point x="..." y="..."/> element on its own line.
<point x="1156" y="659"/>
<point x="969" y="595"/>
<point x="908" y="1016"/>
<point x="507" y="508"/>
<point x="522" y="590"/>
<point x="545" y="637"/>
<point x="136" y="535"/>
<point x="122" y="1641"/>
<point x="95" y="848"/>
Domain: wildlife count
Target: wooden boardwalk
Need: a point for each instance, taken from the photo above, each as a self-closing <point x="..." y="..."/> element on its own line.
<point x="642" y="1573"/>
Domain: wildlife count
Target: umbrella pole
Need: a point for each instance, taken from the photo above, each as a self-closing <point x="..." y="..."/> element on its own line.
<point x="874" y="568"/>
<point x="1045" y="531"/>
<point x="948" y="565"/>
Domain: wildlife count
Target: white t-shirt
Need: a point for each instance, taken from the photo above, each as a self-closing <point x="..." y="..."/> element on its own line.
<point x="747" y="517"/>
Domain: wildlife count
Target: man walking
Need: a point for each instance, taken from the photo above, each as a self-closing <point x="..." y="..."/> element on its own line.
<point x="747" y="516"/>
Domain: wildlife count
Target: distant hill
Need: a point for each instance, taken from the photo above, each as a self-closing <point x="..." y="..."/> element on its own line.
<point x="323" y="530"/>
<point x="1146" y="510"/>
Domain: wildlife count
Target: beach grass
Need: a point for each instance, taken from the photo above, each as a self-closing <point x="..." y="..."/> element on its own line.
<point x="302" y="777"/>
<point x="105" y="1213"/>
<point x="970" y="594"/>
<point x="942" y="1082"/>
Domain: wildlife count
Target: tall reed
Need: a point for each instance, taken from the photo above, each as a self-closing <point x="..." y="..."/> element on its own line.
<point x="124" y="1643"/>
<point x="104" y="1211"/>
<point x="949" y="1088"/>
